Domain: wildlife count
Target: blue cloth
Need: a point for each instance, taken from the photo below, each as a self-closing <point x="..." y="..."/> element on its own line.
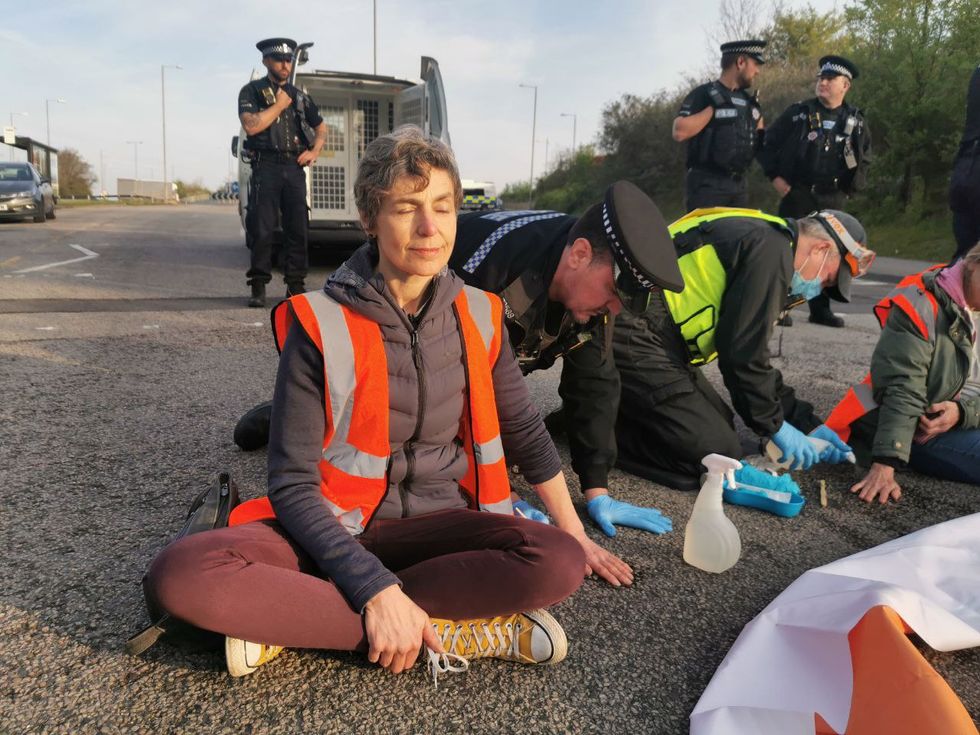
<point x="953" y="455"/>
<point x="608" y="513"/>
<point x="749" y="475"/>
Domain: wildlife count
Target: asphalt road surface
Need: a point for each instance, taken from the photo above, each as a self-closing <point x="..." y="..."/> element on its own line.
<point x="127" y="355"/>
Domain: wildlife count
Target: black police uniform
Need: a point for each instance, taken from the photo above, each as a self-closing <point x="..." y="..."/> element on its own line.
<point x="823" y="155"/>
<point x="964" y="190"/>
<point x="670" y="416"/>
<point x="718" y="156"/>
<point x="278" y="182"/>
<point x="515" y="254"/>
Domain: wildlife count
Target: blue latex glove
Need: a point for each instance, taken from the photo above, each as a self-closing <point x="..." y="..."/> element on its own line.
<point x="606" y="512"/>
<point x="524" y="509"/>
<point x="837" y="451"/>
<point x="795" y="447"/>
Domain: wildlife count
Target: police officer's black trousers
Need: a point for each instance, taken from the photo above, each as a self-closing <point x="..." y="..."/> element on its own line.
<point x="709" y="189"/>
<point x="277" y="187"/>
<point x="670" y="416"/>
<point x="799" y="202"/>
<point x="964" y="200"/>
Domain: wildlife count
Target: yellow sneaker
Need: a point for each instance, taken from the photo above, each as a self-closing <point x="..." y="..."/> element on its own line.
<point x="532" y="637"/>
<point x="244" y="657"/>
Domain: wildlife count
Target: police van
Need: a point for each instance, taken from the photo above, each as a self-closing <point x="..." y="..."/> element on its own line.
<point x="480" y="196"/>
<point x="357" y="108"/>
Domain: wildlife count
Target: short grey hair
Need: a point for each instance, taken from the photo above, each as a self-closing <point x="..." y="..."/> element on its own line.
<point x="406" y="151"/>
<point x="811" y="227"/>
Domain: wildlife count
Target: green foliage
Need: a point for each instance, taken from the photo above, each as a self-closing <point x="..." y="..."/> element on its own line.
<point x="195" y="188"/>
<point x="75" y="176"/>
<point x="915" y="57"/>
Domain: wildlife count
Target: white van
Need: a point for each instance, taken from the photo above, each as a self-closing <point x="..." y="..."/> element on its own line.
<point x="357" y="109"/>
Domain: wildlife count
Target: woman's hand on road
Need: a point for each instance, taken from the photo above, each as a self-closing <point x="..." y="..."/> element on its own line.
<point x="396" y="629"/>
<point x="945" y="416"/>
<point x="878" y="483"/>
<point x="604" y="563"/>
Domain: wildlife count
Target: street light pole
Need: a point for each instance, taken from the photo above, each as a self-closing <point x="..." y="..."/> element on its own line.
<point x="534" y="125"/>
<point x="574" y="127"/>
<point x="163" y="117"/>
<point x="16" y="113"/>
<point x="47" y="115"/>
<point x="136" y="161"/>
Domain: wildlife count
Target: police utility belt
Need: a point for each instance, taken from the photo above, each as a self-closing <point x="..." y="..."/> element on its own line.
<point x="270" y="156"/>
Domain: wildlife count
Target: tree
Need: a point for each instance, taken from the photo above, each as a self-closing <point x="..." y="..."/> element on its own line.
<point x="75" y="177"/>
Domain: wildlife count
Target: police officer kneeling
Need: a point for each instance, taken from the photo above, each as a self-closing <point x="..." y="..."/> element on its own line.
<point x="740" y="268"/>
<point x="278" y="119"/>
<point x="817" y="153"/>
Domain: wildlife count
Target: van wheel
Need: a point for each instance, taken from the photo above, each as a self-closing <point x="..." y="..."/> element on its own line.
<point x="51" y="214"/>
<point x="39" y="215"/>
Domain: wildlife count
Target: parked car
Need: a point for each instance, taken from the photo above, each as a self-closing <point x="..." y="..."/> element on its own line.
<point x="25" y="193"/>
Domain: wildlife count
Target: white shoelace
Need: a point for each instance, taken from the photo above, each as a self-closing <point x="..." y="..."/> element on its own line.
<point x="441" y="663"/>
<point x="496" y="644"/>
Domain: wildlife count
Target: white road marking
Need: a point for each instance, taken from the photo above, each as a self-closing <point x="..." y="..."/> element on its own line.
<point x="45" y="329"/>
<point x="258" y="324"/>
<point x="84" y="275"/>
<point x="87" y="255"/>
<point x="866" y="282"/>
<point x="151" y="326"/>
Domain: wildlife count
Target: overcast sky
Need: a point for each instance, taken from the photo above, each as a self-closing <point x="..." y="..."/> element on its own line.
<point x="104" y="58"/>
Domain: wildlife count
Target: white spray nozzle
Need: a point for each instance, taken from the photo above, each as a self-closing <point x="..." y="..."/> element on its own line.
<point x="719" y="464"/>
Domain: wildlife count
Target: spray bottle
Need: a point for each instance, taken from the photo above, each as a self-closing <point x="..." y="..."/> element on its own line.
<point x="711" y="541"/>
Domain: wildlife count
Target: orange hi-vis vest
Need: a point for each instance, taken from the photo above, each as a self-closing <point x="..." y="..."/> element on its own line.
<point x="919" y="305"/>
<point x="356" y="448"/>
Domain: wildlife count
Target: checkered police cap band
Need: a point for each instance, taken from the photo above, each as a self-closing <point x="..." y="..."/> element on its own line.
<point x="832" y="68"/>
<point x="619" y="250"/>
<point x="751" y="49"/>
<point x="282" y="49"/>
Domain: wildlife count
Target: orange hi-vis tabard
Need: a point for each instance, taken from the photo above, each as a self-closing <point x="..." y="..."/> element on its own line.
<point x="919" y="305"/>
<point x="356" y="448"/>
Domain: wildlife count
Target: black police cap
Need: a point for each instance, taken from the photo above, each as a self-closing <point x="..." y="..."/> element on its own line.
<point x="639" y="238"/>
<point x="278" y="48"/>
<point x="837" y="66"/>
<point x="753" y="47"/>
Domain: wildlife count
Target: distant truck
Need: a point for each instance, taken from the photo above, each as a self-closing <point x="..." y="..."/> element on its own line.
<point x="144" y="188"/>
<point x="357" y="109"/>
<point x="480" y="195"/>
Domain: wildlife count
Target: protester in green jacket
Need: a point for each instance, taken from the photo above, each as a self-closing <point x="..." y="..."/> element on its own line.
<point x="920" y="406"/>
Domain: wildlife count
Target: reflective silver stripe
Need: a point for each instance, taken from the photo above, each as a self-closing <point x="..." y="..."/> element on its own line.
<point x="504" y="507"/>
<point x="494" y="237"/>
<point x="338" y="366"/>
<point x="352" y="520"/>
<point x="479" y="305"/>
<point x="865" y="396"/>
<point x="489" y="452"/>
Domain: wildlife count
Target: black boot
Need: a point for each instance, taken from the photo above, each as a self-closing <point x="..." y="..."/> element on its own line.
<point x="295" y="288"/>
<point x="258" y="295"/>
<point x="820" y="312"/>
<point x="252" y="429"/>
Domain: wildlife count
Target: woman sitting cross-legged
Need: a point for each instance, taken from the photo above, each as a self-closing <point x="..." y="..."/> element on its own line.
<point x="388" y="523"/>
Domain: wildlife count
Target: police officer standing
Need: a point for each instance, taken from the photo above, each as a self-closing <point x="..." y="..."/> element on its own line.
<point x="964" y="190"/>
<point x="280" y="121"/>
<point x="722" y="124"/>
<point x="817" y="153"/>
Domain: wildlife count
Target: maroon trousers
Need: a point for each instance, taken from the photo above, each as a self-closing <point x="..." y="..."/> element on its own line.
<point x="254" y="582"/>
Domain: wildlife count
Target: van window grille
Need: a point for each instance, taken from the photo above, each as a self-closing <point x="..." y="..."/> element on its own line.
<point x="328" y="187"/>
<point x="370" y="121"/>
<point x="336" y="126"/>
